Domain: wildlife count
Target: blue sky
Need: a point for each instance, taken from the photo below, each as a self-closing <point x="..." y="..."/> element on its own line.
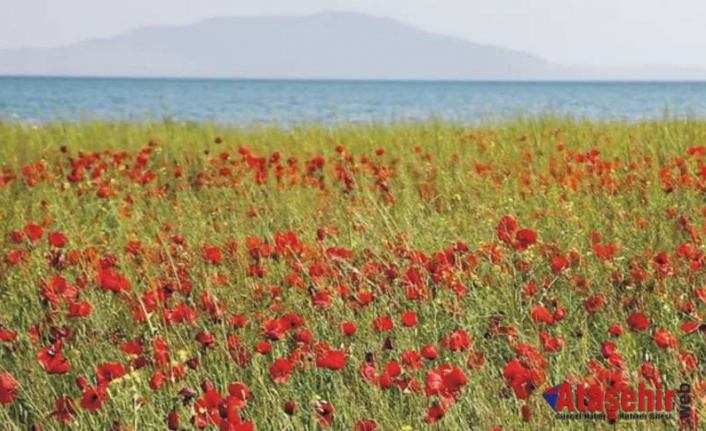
<point x="574" y="32"/>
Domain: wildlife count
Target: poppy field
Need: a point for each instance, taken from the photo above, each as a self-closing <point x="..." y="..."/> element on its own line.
<point x="405" y="277"/>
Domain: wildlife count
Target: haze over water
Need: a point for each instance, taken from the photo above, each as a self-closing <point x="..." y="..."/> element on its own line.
<point x="247" y="102"/>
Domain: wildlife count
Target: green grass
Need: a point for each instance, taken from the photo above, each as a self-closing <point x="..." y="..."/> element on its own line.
<point x="445" y="183"/>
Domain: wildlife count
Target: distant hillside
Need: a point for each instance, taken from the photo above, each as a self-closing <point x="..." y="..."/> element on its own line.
<point x="325" y="45"/>
<point x="329" y="45"/>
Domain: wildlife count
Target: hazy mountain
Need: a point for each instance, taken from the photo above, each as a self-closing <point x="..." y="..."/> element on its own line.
<point x="324" y="45"/>
<point x="333" y="45"/>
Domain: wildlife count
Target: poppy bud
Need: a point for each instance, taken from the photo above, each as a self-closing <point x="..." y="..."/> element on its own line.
<point x="387" y="344"/>
<point x="173" y="420"/>
<point x="192" y="363"/>
<point x="206" y="386"/>
<point x="289" y="408"/>
<point x="82" y="382"/>
<point x="187" y="394"/>
<point x="526" y="413"/>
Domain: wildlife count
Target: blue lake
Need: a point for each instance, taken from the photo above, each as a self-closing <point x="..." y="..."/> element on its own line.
<point x="246" y="102"/>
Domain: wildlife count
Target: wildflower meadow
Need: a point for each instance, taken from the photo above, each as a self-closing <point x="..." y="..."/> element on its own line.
<point x="403" y="277"/>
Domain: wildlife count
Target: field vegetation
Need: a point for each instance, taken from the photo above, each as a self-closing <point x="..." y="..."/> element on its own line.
<point x="404" y="277"/>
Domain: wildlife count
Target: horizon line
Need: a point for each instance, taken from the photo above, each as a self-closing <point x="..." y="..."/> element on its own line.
<point x="364" y="80"/>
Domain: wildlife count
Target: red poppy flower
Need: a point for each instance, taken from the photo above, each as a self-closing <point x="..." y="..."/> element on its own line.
<point x="661" y="263"/>
<point x="324" y="413"/>
<point x="17" y="257"/>
<point x="280" y="370"/>
<point x="111" y="281"/>
<point x="550" y="343"/>
<point x="393" y="369"/>
<point x="383" y="324"/>
<point x="292" y="321"/>
<point x="558" y="264"/>
<point x="615" y="330"/>
<point x="412" y="359"/>
<point x="160" y="352"/>
<point x="688" y="361"/>
<point x="366" y="425"/>
<point x="594" y="303"/>
<point x="604" y="252"/>
<point x="320" y="298"/>
<point x="34" y="232"/>
<point x="7" y="336"/>
<point x="665" y="339"/>
<point x="607" y="348"/>
<point x="157" y="380"/>
<point x="208" y="407"/>
<point x="64" y="409"/>
<point x="8" y="388"/>
<point x="559" y="314"/>
<point x="348" y="328"/>
<point x="540" y="314"/>
<point x="446" y="382"/>
<point x="263" y="348"/>
<point x="53" y="360"/>
<point x="457" y="341"/>
<point x="304" y="337"/>
<point x="212" y="254"/>
<point x="79" y="309"/>
<point x="93" y="398"/>
<point x="57" y="239"/>
<point x="434" y="413"/>
<point x="108" y="372"/>
<point x="650" y="373"/>
<point x="689" y="327"/>
<point x="522" y="379"/>
<point x="409" y="319"/>
<point x="238" y="321"/>
<point x="429" y="352"/>
<point x="239" y="393"/>
<point x="333" y="360"/>
<point x="525" y="238"/>
<point x="105" y="192"/>
<point x="506" y="228"/>
<point x="274" y="329"/>
<point x="132" y="348"/>
<point x="206" y="340"/>
<point x="638" y="322"/>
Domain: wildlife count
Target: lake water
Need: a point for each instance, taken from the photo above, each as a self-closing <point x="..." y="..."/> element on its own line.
<point x="245" y="102"/>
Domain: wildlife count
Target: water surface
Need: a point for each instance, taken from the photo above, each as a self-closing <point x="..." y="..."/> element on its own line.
<point x="244" y="102"/>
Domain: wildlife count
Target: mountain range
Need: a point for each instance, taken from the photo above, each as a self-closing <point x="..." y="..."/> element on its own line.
<point x="328" y="45"/>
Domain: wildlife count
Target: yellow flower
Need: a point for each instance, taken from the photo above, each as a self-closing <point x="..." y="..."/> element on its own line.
<point x="183" y="355"/>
